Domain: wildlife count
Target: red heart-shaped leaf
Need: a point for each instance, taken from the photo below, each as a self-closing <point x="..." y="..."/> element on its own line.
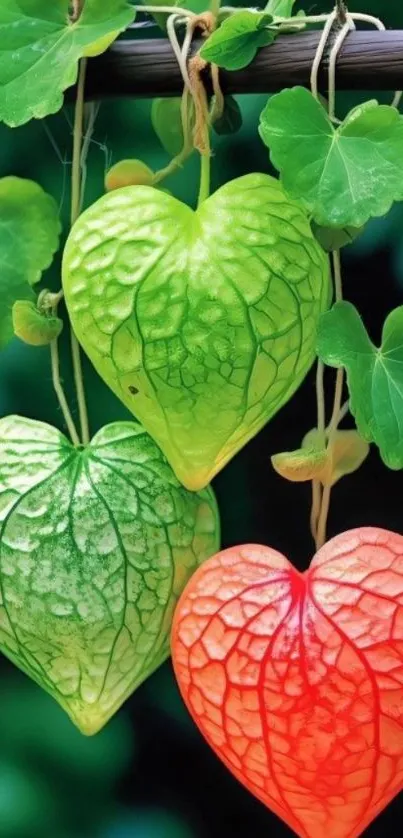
<point x="296" y="680"/>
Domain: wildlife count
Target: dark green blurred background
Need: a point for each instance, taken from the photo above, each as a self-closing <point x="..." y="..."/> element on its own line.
<point x="149" y="774"/>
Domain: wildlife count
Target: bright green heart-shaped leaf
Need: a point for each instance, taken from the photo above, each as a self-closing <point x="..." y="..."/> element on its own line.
<point x="33" y="326"/>
<point x="96" y="544"/>
<point x="235" y="43"/>
<point x="203" y="323"/>
<point x="40" y="49"/>
<point x="29" y="237"/>
<point x="343" y="175"/>
<point x="374" y="376"/>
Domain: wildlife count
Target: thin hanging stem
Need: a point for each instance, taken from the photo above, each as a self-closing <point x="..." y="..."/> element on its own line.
<point x="75" y="212"/>
<point x="204" y="190"/>
<point x="337" y="413"/>
<point x="61" y="397"/>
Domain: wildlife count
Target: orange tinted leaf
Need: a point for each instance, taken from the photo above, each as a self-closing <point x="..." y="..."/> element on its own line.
<point x="296" y="680"/>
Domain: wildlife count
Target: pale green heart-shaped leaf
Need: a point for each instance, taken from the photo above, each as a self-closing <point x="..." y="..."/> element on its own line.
<point x="374" y="375"/>
<point x="40" y="49"/>
<point x="34" y="327"/>
<point x="29" y="237"/>
<point x="235" y="43"/>
<point x="96" y="544"/>
<point x="203" y="323"/>
<point x="343" y="175"/>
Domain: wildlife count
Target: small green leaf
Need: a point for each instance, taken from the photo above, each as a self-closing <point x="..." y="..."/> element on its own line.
<point x="342" y="175"/>
<point x="197" y="6"/>
<point x="334" y="238"/>
<point x="166" y="118"/>
<point x="29" y="237"/>
<point x="280" y="8"/>
<point x="40" y="50"/>
<point x="96" y="545"/>
<point x="374" y="376"/>
<point x="345" y="454"/>
<point x="301" y="465"/>
<point x="214" y="312"/>
<point x="34" y="327"/>
<point x="128" y="173"/>
<point x="235" y="43"/>
<point x="231" y="119"/>
<point x="320" y="460"/>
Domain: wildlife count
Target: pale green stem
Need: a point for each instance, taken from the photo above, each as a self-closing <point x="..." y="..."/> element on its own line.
<point x="215" y="7"/>
<point x="57" y="384"/>
<point x="168" y="10"/>
<point x="204" y="190"/>
<point x="75" y="212"/>
<point x="337" y="413"/>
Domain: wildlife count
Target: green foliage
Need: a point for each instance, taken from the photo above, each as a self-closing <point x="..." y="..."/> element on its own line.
<point x="334" y="238"/>
<point x="235" y="43"/>
<point x="375" y="376"/>
<point x="342" y="175"/>
<point x="280" y="8"/>
<point x="212" y="315"/>
<point x="128" y="173"/>
<point x="29" y="237"/>
<point x="46" y="47"/>
<point x="322" y="459"/>
<point x="33" y="326"/>
<point x="166" y="119"/>
<point x="96" y="545"/>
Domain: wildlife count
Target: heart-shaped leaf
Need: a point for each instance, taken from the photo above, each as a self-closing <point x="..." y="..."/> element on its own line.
<point x="296" y="680"/>
<point x="40" y="49"/>
<point x="95" y="547"/>
<point x="203" y="323"/>
<point x="29" y="237"/>
<point x="343" y="175"/>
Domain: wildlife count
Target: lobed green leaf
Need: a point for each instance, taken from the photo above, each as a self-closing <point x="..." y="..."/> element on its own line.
<point x="342" y="175"/>
<point x="40" y="49"/>
<point x="374" y="375"/>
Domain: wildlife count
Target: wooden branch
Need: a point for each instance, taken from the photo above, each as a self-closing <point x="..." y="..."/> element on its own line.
<point x="369" y="60"/>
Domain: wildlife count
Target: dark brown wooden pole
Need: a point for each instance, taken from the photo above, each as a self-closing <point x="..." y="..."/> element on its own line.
<point x="369" y="60"/>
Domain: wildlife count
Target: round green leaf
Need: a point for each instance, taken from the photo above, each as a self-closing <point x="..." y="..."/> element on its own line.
<point x="203" y="323"/>
<point x="96" y="545"/>
<point x="40" y="50"/>
<point x="343" y="175"/>
<point x="29" y="236"/>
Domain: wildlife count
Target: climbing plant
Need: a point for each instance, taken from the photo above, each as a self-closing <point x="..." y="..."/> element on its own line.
<point x="204" y="322"/>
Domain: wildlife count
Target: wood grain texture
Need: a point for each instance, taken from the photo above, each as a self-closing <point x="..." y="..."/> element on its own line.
<point x="369" y="60"/>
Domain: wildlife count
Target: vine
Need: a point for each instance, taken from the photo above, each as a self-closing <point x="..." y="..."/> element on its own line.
<point x="204" y="323"/>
